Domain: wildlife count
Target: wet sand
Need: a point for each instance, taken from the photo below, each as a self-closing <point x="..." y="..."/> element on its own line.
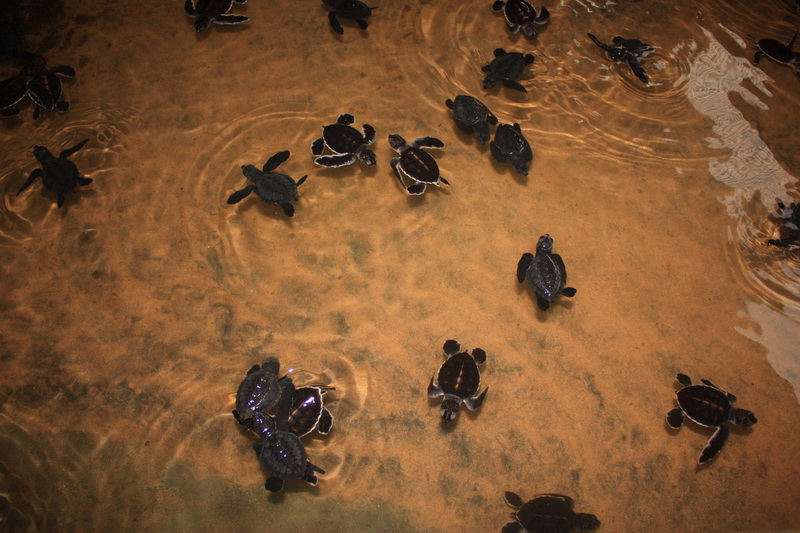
<point x="130" y="315"/>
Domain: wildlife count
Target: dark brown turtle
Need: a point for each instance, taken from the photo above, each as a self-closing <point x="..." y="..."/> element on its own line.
<point x="710" y="406"/>
<point x="260" y="390"/>
<point x="272" y="187"/>
<point x="346" y="143"/>
<point x="459" y="380"/>
<point x="545" y="272"/>
<point x="416" y="164"/>
<point x="777" y="51"/>
<point x="547" y="513"/>
<point x="309" y="411"/>
<point x="510" y="144"/>
<point x="58" y="174"/>
<point x="520" y="15"/>
<point x="506" y="67"/>
<point x="471" y="116"/>
<point x="44" y="85"/>
<point x="216" y="11"/>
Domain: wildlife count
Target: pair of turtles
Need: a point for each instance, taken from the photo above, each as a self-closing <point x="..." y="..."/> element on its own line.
<point x="777" y="51"/>
<point x="58" y="174"/>
<point x="546" y="513"/>
<point x="41" y="83"/>
<point x="348" y="9"/>
<point x="628" y="51"/>
<point x="520" y="15"/>
<point x="458" y="380"/>
<point x="791" y="224"/>
<point x="216" y="11"/>
<point x="545" y="272"/>
<point x="709" y="406"/>
<point x="506" y="67"/>
<point x="272" y="187"/>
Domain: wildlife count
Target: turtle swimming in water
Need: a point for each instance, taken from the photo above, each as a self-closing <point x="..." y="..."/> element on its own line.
<point x="44" y="85"/>
<point x="628" y="51"/>
<point x="272" y="187"/>
<point x="506" y="67"/>
<point x="416" y="164"/>
<point x="216" y="11"/>
<point x="472" y="116"/>
<point x="459" y="380"/>
<point x="791" y="224"/>
<point x="58" y="174"/>
<point x="260" y="390"/>
<point x="309" y="411"/>
<point x="710" y="406"/>
<point x="509" y="143"/>
<point x="346" y="142"/>
<point x="520" y="15"/>
<point x="348" y="9"/>
<point x="545" y="273"/>
<point x="547" y="513"/>
<point x="777" y="51"/>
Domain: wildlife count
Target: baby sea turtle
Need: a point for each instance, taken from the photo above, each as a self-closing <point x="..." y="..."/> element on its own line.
<point x="782" y="53"/>
<point x="459" y="380"/>
<point x="509" y="143"/>
<point x="710" y="406"/>
<point x="547" y="513"/>
<point x="309" y="412"/>
<point x="58" y="173"/>
<point x="472" y="116"/>
<point x="12" y="91"/>
<point x="348" y="9"/>
<point x="520" y="15"/>
<point x="280" y="450"/>
<point x="506" y="67"/>
<point x="44" y="85"/>
<point x="791" y="224"/>
<point x="545" y="273"/>
<point x="216" y="11"/>
<point x="260" y="390"/>
<point x="628" y="51"/>
<point x="272" y="187"/>
<point x="416" y="164"/>
<point x="346" y="142"/>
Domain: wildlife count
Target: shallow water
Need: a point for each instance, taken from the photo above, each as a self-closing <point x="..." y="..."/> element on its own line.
<point x="131" y="314"/>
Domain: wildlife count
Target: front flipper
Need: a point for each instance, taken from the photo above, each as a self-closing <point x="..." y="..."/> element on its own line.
<point x="544" y="16"/>
<point x="238" y="196"/>
<point x="69" y="151"/>
<point x="317" y="146"/>
<point x="523" y="265"/>
<point x="416" y="189"/>
<point x="335" y="23"/>
<point x="325" y="422"/>
<point x="275" y="161"/>
<point x="757" y="57"/>
<point x="288" y="209"/>
<point x="38" y="173"/>
<point x="513" y="526"/>
<point x="362" y="24"/>
<point x="511" y="84"/>
<point x="61" y="199"/>
<point x="544" y="303"/>
<point x="335" y="161"/>
<point x="569" y="292"/>
<point x="715" y="444"/>
<point x="599" y="43"/>
<point x="84" y="181"/>
<point x="498" y="155"/>
<point x="230" y="19"/>
<point x="475" y="403"/>
<point x="189" y="8"/>
<point x="675" y="418"/>
<point x="428" y="142"/>
<point x="638" y="70"/>
<point x="274" y="484"/>
<point x="433" y="390"/>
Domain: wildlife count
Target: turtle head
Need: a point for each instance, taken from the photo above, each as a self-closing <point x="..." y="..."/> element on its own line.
<point x="397" y="142"/>
<point x="545" y="245"/>
<point x="202" y="24"/>
<point x="40" y="153"/>
<point x="368" y="157"/>
<point x="449" y="410"/>
<point x="743" y="417"/>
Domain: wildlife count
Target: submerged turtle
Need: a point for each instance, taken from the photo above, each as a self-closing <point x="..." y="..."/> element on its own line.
<point x="44" y="85"/>
<point x="520" y="15"/>
<point x="545" y="273"/>
<point x="710" y="406"/>
<point x="628" y="51"/>
<point x="506" y="67"/>
<point x="346" y="142"/>
<point x="459" y="380"/>
<point x="509" y="143"/>
<point x="216" y="11"/>
<point x="58" y="173"/>
<point x="416" y="164"/>
<point x="309" y="412"/>
<point x="782" y="53"/>
<point x="272" y="187"/>
<point x="260" y="390"/>
<point x="472" y="116"/>
<point x="791" y="224"/>
<point x="348" y="9"/>
<point x="547" y="513"/>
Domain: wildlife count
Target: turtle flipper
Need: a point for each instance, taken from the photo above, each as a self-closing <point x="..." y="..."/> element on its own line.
<point x="238" y="196"/>
<point x="61" y="199"/>
<point x="417" y="188"/>
<point x="475" y="403"/>
<point x="317" y="146"/>
<point x="451" y="347"/>
<point x="498" y="155"/>
<point x="325" y="422"/>
<point x="758" y="55"/>
<point x="511" y="84"/>
<point x="84" y="181"/>
<point x="231" y="19"/>
<point x="544" y="16"/>
<point x="335" y="161"/>
<point x="544" y="303"/>
<point x="683" y="379"/>
<point x="523" y="265"/>
<point x="513" y="526"/>
<point x="369" y="134"/>
<point x="599" y="43"/>
<point x="335" y="23"/>
<point x="637" y="69"/>
<point x="479" y="355"/>
<point x="9" y="111"/>
<point x="275" y="161"/>
<point x="288" y="209"/>
<point x="368" y="157"/>
<point x="569" y="292"/>
<point x="675" y="418"/>
<point x="274" y="484"/>
<point x="190" y="9"/>
<point x="62" y="106"/>
<point x="38" y="173"/>
<point x="513" y="499"/>
<point x="715" y="444"/>
<point x="489" y="82"/>
<point x="362" y="23"/>
<point x="69" y="151"/>
<point x="302" y="180"/>
<point x="428" y="142"/>
<point x="433" y="390"/>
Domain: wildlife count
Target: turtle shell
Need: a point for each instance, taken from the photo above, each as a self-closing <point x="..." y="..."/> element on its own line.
<point x="419" y="165"/>
<point x="309" y="412"/>
<point x="283" y="455"/>
<point x="469" y="111"/>
<point x="60" y="174"/>
<point x="547" y="275"/>
<point x="275" y="188"/>
<point x="519" y="12"/>
<point x="459" y="375"/>
<point x="259" y="391"/>
<point x="12" y="91"/>
<point x="551" y="513"/>
<point x="705" y="405"/>
<point x="342" y="139"/>
<point x="775" y="50"/>
<point x="511" y="143"/>
<point x="508" y="66"/>
<point x="45" y="89"/>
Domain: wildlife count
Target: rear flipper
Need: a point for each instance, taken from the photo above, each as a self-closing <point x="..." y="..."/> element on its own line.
<point x="569" y="292"/>
<point x="675" y="418"/>
<point x="238" y="196"/>
<point x="474" y="403"/>
<point x="511" y="84"/>
<point x="230" y="19"/>
<point x="35" y="174"/>
<point x="715" y="444"/>
<point x="638" y="70"/>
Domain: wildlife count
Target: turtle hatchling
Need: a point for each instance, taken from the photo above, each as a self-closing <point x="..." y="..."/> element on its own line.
<point x="459" y="380"/>
<point x="346" y="142"/>
<point x="777" y="51"/>
<point x="58" y="174"/>
<point x="348" y="9"/>
<point x="520" y="15"/>
<point x="272" y="187"/>
<point x="471" y="116"/>
<point x="545" y="273"/>
<point x="44" y="85"/>
<point x="309" y="412"/>
<point x="509" y="143"/>
<point x="628" y="51"/>
<point x="506" y="67"/>
<point x="710" y="406"/>
<point x="260" y="390"/>
<point x="416" y="164"/>
<point x="216" y="11"/>
<point x="791" y="224"/>
<point x="547" y="513"/>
